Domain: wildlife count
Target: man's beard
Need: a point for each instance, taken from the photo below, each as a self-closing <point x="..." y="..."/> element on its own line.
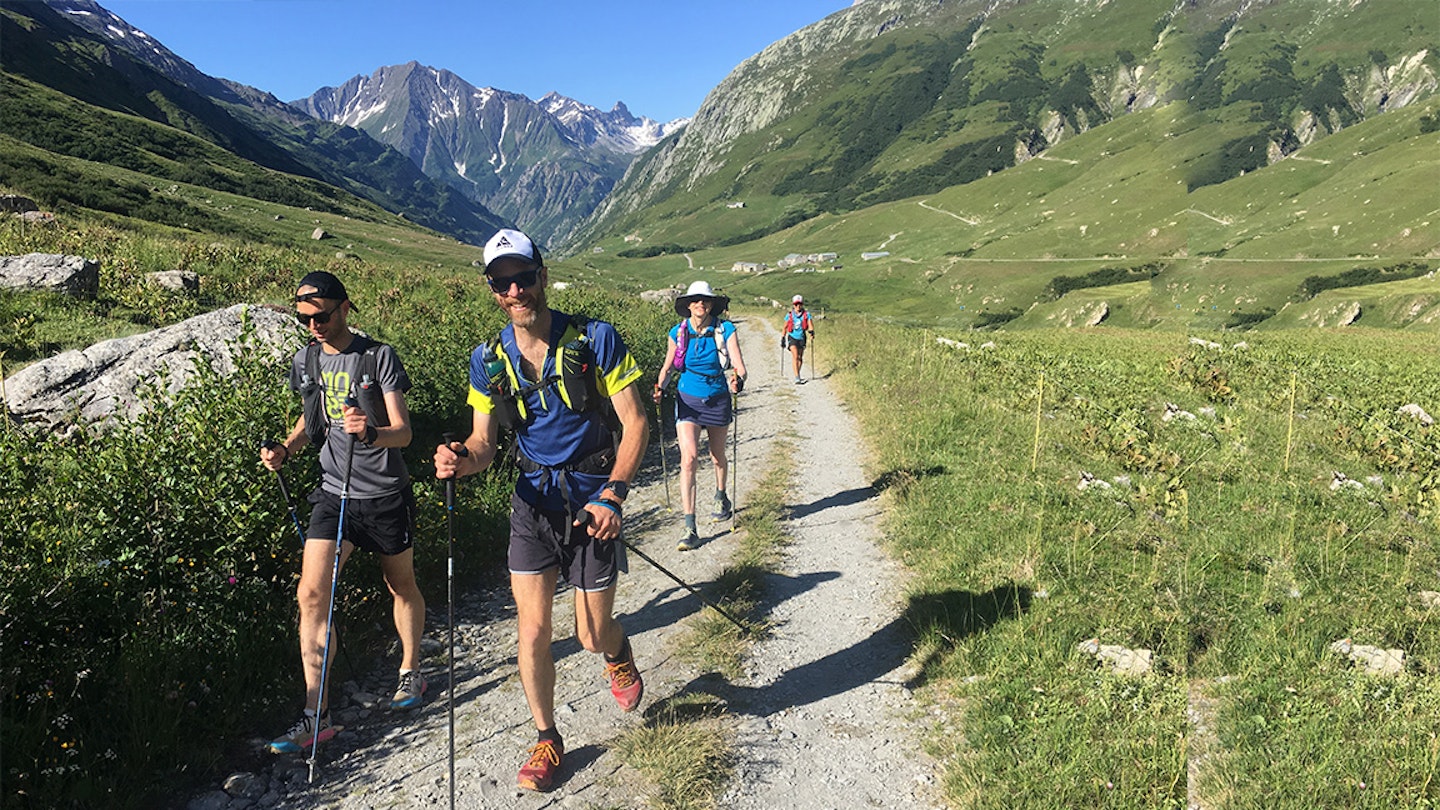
<point x="531" y="314"/>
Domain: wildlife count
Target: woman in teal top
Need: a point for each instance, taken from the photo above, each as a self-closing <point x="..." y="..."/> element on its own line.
<point x="701" y="349"/>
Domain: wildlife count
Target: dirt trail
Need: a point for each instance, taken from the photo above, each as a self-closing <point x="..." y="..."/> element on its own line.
<point x="823" y="717"/>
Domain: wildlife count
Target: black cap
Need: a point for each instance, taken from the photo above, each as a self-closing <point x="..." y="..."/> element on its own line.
<point x="326" y="286"/>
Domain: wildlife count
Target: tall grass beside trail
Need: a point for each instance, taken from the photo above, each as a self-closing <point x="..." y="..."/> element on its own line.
<point x="147" y="626"/>
<point x="1044" y="499"/>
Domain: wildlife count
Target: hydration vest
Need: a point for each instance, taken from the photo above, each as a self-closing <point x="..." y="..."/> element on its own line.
<point x="802" y="323"/>
<point x="575" y="380"/>
<point x="682" y="344"/>
<point x="366" y="391"/>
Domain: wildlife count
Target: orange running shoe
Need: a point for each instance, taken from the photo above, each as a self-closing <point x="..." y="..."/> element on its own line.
<point x="625" y="682"/>
<point x="538" y="773"/>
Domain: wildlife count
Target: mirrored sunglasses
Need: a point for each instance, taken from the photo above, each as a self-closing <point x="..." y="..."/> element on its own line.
<point x="525" y="278"/>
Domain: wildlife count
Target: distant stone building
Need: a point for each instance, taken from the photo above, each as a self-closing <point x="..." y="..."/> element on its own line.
<point x="748" y="267"/>
<point x="796" y="259"/>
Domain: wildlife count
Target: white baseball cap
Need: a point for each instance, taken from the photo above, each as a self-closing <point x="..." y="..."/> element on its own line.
<point x="797" y="300"/>
<point x="508" y="243"/>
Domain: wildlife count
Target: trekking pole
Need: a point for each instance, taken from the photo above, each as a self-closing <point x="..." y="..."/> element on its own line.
<point x="334" y="581"/>
<point x="450" y="595"/>
<point x="664" y="467"/>
<point x="734" y="452"/>
<point x="584" y="517"/>
<point x="814" y="356"/>
<point x="745" y="628"/>
<point x="271" y="444"/>
<point x="300" y="530"/>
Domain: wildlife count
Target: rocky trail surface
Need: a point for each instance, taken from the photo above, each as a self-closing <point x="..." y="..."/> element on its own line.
<point x="822" y="719"/>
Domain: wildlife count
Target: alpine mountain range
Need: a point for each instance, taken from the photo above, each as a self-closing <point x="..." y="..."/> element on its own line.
<point x="880" y="102"/>
<point x="545" y="164"/>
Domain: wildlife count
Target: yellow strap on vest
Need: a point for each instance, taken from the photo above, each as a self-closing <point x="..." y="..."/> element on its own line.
<point x="571" y="334"/>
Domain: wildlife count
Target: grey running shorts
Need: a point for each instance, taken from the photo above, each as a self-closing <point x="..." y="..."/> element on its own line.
<point x="539" y="541"/>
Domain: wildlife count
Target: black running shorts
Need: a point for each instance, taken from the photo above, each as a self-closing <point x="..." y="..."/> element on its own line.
<point x="384" y="525"/>
<point x="539" y="542"/>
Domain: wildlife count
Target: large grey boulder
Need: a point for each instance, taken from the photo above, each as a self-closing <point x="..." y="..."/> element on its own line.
<point x="98" y="383"/>
<point x="74" y="275"/>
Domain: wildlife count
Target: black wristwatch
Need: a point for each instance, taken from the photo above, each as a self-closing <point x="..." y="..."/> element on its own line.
<point x="620" y="488"/>
<point x="371" y="434"/>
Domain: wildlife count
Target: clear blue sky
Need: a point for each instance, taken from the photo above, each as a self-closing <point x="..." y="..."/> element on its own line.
<point x="660" y="57"/>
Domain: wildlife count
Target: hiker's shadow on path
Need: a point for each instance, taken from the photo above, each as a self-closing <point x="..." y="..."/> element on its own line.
<point x="577" y="760"/>
<point x="949" y="616"/>
<point x="848" y="497"/>
<point x="902" y="477"/>
<point x="891" y="478"/>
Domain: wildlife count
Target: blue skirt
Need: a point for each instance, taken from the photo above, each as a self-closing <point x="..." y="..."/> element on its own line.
<point x="711" y="411"/>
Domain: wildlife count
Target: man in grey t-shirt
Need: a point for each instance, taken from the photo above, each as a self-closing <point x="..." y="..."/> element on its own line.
<point x="357" y="387"/>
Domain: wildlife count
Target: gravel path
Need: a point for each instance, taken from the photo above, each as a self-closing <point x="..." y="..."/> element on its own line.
<point x="823" y="719"/>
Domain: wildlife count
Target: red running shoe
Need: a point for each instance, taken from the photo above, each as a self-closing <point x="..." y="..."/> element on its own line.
<point x="538" y="773"/>
<point x="625" y="682"/>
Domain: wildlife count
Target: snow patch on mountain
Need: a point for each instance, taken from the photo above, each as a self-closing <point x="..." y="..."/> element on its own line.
<point x="617" y="129"/>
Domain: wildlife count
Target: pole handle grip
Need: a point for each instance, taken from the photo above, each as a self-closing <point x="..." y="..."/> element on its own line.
<point x="451" y="440"/>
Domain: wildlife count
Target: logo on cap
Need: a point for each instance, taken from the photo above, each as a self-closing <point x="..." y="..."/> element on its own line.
<point x="509" y="243"/>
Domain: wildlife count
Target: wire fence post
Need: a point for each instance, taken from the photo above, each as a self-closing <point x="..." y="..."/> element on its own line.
<point x="1290" y="429"/>
<point x="1039" y="403"/>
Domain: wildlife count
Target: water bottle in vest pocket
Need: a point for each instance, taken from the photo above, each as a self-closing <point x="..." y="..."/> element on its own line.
<point x="682" y="343"/>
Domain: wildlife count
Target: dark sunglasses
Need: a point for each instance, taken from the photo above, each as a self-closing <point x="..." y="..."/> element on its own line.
<point x="526" y="279"/>
<point x="321" y="317"/>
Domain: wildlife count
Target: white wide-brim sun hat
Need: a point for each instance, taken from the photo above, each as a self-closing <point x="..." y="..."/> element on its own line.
<point x="700" y="289"/>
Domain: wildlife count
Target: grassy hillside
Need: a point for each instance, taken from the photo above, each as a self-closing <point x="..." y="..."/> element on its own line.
<point x="990" y="152"/>
<point x="1111" y="197"/>
<point x="64" y="87"/>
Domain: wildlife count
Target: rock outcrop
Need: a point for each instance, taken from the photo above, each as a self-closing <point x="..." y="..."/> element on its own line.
<point x="101" y="382"/>
<point x="72" y="275"/>
<point x="177" y="280"/>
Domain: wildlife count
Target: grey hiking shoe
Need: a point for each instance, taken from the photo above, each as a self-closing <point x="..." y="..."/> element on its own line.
<point x="723" y="510"/>
<point x="688" y="541"/>
<point x="410" y="691"/>
<point x="302" y="735"/>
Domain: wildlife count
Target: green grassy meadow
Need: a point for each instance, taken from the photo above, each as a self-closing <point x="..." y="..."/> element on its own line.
<point x="1217" y="542"/>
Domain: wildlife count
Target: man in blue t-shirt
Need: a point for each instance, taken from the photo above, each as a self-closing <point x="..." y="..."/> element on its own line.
<point x="566" y="511"/>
